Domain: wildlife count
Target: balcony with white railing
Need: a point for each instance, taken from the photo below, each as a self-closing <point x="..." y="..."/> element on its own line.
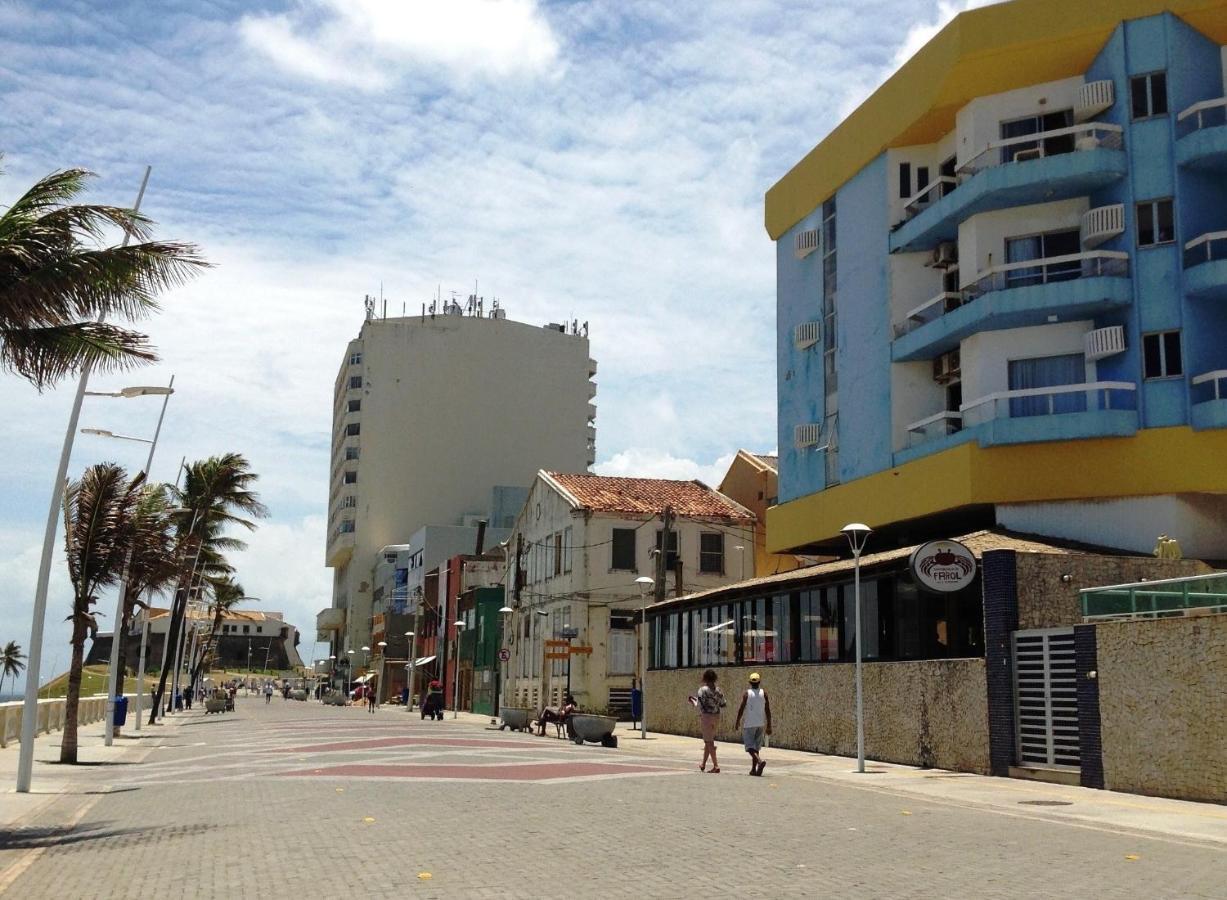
<point x="1061" y="413"/>
<point x="1209" y="396"/>
<point x="1205" y="266"/>
<point x="1053" y="165"/>
<point x="1201" y="135"/>
<point x="1015" y="295"/>
<point x="933" y="434"/>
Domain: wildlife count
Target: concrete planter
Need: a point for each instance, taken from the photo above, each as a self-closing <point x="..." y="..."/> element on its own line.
<point x="596" y="729"/>
<point x="515" y="717"/>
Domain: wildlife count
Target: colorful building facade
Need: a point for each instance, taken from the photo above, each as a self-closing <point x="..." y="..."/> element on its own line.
<point x="1002" y="287"/>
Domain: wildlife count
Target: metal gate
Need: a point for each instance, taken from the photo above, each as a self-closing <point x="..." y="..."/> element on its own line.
<point x="1046" y="698"/>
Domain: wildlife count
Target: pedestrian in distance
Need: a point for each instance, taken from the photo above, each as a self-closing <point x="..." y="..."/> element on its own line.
<point x="370" y="698"/>
<point x="754" y="719"/>
<point x="268" y="692"/>
<point x="709" y="700"/>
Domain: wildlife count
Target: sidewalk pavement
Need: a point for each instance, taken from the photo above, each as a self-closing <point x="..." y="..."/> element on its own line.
<point x="1102" y="810"/>
<point x="51" y="781"/>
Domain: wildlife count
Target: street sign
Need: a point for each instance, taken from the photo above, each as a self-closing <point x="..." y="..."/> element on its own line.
<point x="557" y="656"/>
<point x="567" y="632"/>
<point x="584" y="650"/>
<point x="504" y="654"/>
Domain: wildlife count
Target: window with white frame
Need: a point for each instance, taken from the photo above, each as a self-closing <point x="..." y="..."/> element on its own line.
<point x="566" y="549"/>
<point x="1161" y="355"/>
<point x="355" y="382"/>
<point x="1149" y="95"/>
<point x="355" y="359"/>
<point x="1156" y="222"/>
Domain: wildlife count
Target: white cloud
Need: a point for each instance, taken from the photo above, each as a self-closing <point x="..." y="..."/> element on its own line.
<point x="368" y="44"/>
<point x="640" y="462"/>
<point x="919" y="34"/>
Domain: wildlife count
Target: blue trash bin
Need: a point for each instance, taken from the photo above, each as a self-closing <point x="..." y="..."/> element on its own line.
<point x="121" y="711"/>
<point x="636" y="704"/>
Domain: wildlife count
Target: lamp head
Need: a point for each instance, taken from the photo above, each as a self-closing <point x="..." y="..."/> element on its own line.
<point x="857" y="534"/>
<point x="506" y="609"/>
<point x="459" y="623"/>
<point x="644" y="581"/>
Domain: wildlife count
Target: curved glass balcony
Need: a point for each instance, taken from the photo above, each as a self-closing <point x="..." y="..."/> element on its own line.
<point x="1205" y="266"/>
<point x="1035" y="168"/>
<point x="1201" y="135"/>
<point x="1209" y="396"/>
<point x="1075" y="286"/>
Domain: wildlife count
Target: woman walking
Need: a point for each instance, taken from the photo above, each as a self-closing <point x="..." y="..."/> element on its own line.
<point x="710" y="700"/>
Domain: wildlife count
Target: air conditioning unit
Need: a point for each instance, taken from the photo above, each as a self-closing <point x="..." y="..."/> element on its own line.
<point x="945" y="254"/>
<point x="806" y="335"/>
<point x="807" y="435"/>
<point x="1104" y="342"/>
<point x="946" y="368"/>
<point x="805" y="243"/>
<point x="1102" y="224"/>
<point x="1093" y="98"/>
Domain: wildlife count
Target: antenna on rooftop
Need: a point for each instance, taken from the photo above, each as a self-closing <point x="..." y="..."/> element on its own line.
<point x="369" y="302"/>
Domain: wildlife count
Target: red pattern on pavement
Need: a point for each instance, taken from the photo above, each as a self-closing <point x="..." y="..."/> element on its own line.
<point x="529" y="772"/>
<point x="376" y="743"/>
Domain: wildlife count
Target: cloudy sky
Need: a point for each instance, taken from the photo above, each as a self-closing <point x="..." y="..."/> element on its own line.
<point x="604" y="161"/>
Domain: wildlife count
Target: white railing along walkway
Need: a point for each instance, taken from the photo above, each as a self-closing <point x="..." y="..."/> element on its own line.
<point x="51" y="715"/>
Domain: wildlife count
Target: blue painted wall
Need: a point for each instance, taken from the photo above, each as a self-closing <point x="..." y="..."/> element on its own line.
<point x="799" y="381"/>
<point x="863" y="356"/>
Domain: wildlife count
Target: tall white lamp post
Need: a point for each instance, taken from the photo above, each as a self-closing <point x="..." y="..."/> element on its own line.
<point x="644" y="583"/>
<point x="459" y="623"/>
<point x="113" y="667"/>
<point x="857" y="534"/>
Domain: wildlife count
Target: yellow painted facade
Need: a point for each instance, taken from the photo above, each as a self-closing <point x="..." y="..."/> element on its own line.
<point x="982" y="51"/>
<point x="1153" y="462"/>
<point x="753" y="481"/>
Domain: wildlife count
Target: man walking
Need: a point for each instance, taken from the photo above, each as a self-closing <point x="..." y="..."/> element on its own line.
<point x="756" y="710"/>
<point x="268" y="692"/>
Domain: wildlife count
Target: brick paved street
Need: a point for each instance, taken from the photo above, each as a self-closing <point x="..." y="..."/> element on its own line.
<point x="301" y="800"/>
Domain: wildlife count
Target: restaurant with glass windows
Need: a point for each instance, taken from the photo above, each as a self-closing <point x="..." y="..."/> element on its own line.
<point x="812" y="620"/>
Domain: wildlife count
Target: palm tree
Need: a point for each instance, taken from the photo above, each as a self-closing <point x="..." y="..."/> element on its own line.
<point x="217" y="492"/>
<point x="98" y="513"/>
<point x="11" y="663"/>
<point x="56" y="284"/>
<point x="226" y="595"/>
<point x="152" y="565"/>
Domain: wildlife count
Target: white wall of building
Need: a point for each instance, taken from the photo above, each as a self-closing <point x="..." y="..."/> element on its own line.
<point x="586" y="589"/>
<point x="979" y="122"/>
<point x="451" y="406"/>
<point x="986" y="356"/>
<point x="982" y="237"/>
<point x="1133" y="523"/>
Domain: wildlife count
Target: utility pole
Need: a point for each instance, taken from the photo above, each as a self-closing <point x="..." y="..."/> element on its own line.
<point x="662" y="557"/>
<point x="518" y="581"/>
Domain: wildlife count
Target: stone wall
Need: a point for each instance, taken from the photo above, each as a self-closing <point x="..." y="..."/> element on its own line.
<point x="930" y="713"/>
<point x="1162" y="685"/>
<point x="1045" y="601"/>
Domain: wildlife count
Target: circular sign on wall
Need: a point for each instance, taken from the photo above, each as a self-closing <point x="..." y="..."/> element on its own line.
<point x="944" y="566"/>
<point x="504" y="654"/>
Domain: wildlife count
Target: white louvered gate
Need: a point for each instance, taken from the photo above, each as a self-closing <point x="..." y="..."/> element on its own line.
<point x="1046" y="698"/>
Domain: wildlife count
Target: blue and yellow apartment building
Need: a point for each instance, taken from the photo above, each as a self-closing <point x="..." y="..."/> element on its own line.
<point x="1002" y="288"/>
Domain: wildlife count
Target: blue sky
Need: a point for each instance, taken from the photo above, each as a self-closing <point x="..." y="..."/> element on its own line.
<point x="603" y="161"/>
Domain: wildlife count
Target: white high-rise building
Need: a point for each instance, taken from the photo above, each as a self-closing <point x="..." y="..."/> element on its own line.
<point x="431" y="413"/>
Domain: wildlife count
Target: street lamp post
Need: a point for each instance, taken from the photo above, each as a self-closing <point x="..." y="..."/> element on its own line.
<point x="383" y="664"/>
<point x="505" y="611"/>
<point x="413" y="663"/>
<point x="644" y="583"/>
<point x="857" y="534"/>
<point x="29" y="715"/>
<point x="113" y="667"/>
<point x="459" y="623"/>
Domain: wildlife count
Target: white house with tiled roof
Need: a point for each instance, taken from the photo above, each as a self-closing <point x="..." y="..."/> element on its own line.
<point x="582" y="540"/>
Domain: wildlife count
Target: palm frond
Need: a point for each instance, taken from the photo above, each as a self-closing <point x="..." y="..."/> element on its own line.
<point x="45" y="355"/>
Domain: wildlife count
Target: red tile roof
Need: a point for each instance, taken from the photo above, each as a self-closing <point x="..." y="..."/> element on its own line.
<point x="606" y="493"/>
